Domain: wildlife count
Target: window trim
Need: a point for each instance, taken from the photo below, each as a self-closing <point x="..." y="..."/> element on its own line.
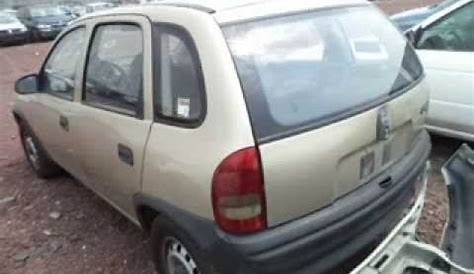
<point x="185" y="35"/>
<point x="140" y="111"/>
<point x="48" y="56"/>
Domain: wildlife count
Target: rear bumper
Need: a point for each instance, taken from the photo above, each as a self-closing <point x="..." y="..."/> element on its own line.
<point x="319" y="241"/>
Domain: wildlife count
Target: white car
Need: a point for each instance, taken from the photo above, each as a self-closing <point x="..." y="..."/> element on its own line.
<point x="11" y="29"/>
<point x="445" y="45"/>
<point x="98" y="6"/>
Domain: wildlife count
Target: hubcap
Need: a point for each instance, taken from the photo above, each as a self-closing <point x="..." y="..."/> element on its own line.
<point x="178" y="258"/>
<point x="31" y="151"/>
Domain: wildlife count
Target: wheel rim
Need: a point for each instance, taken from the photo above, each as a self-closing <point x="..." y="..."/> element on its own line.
<point x="31" y="151"/>
<point x="178" y="258"/>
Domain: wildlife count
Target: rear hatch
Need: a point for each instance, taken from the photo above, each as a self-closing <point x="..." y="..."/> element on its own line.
<point x="334" y="97"/>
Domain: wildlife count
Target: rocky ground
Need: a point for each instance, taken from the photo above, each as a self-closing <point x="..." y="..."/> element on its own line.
<point x="58" y="226"/>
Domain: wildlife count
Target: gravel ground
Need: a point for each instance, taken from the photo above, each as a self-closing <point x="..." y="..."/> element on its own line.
<point x="54" y="226"/>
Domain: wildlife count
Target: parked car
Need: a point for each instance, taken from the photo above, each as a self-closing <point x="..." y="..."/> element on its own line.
<point x="408" y="19"/>
<point x="79" y="10"/>
<point x="11" y="29"/>
<point x="445" y="45"/>
<point x="291" y="142"/>
<point x="9" y="11"/>
<point x="44" y="21"/>
<point x="98" y="6"/>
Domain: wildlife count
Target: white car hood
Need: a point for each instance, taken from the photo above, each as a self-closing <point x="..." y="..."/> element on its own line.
<point x="15" y="25"/>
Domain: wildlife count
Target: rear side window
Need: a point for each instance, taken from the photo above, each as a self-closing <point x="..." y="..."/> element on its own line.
<point x="114" y="74"/>
<point x="179" y="90"/>
<point x="59" y="72"/>
<point x="299" y="72"/>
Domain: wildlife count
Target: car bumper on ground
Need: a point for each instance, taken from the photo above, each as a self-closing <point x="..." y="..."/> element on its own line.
<point x="320" y="241"/>
<point x="401" y="252"/>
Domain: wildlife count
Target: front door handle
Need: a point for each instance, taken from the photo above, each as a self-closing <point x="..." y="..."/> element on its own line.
<point x="125" y="154"/>
<point x="64" y="122"/>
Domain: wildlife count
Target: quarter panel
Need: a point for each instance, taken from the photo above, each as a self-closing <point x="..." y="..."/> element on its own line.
<point x="180" y="162"/>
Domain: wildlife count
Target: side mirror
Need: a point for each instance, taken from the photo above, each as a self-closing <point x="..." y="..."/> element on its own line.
<point x="413" y="35"/>
<point x="27" y="84"/>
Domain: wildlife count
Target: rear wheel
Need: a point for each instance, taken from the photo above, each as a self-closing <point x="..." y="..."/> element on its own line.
<point x="41" y="163"/>
<point x="174" y="252"/>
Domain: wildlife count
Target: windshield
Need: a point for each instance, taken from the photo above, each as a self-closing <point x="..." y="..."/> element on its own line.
<point x="46" y="11"/>
<point x="301" y="71"/>
<point x="7" y="19"/>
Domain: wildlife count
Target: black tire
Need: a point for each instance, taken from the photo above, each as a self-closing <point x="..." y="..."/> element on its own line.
<point x="42" y="164"/>
<point x="162" y="232"/>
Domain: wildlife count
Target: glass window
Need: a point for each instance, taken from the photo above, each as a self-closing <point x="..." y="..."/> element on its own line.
<point x="59" y="72"/>
<point x="301" y="71"/>
<point x="453" y="32"/>
<point x="179" y="94"/>
<point x="114" y="73"/>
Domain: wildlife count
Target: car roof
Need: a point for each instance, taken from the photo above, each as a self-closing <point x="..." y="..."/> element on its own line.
<point x="233" y="10"/>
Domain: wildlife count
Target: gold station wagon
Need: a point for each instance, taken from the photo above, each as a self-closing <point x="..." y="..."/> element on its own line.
<point x="245" y="136"/>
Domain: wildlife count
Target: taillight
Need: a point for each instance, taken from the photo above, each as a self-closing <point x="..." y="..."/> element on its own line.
<point x="238" y="195"/>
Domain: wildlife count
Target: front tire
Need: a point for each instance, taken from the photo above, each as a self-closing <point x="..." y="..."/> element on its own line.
<point x="42" y="164"/>
<point x="174" y="252"/>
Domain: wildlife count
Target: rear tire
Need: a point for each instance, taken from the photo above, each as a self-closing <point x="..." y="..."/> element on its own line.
<point x="42" y="164"/>
<point x="174" y="252"/>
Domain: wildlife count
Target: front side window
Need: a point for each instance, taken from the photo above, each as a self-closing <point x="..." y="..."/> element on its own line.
<point x="114" y="75"/>
<point x="455" y="32"/>
<point x="178" y="85"/>
<point x="59" y="72"/>
<point x="301" y="71"/>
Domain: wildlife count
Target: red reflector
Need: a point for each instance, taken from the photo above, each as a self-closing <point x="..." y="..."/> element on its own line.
<point x="238" y="195"/>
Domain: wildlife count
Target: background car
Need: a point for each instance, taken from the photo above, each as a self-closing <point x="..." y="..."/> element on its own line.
<point x="44" y="21"/>
<point x="98" y="6"/>
<point x="445" y="45"/>
<point x="11" y="29"/>
<point x="9" y="11"/>
<point x="410" y="18"/>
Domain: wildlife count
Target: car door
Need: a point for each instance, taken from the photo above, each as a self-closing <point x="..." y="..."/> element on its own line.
<point x="446" y="49"/>
<point x="51" y="108"/>
<point x="114" y="118"/>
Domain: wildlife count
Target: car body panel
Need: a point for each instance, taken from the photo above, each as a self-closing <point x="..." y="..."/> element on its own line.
<point x="402" y="252"/>
<point x="101" y="133"/>
<point x="311" y="170"/>
<point x="451" y="79"/>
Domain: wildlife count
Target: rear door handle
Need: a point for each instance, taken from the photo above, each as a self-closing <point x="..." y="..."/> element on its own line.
<point x="125" y="154"/>
<point x="64" y="122"/>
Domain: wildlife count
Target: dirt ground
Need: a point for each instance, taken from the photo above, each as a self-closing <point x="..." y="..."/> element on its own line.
<point x="59" y="226"/>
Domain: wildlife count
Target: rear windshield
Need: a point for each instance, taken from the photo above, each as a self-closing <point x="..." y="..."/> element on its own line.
<point x="299" y="72"/>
